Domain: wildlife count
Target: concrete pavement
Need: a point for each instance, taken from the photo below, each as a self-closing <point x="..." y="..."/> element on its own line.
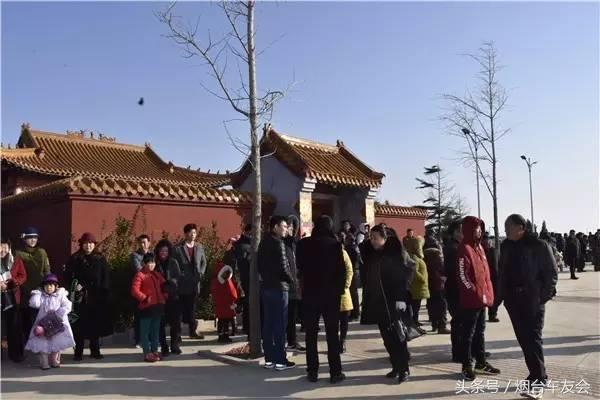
<point x="572" y="349"/>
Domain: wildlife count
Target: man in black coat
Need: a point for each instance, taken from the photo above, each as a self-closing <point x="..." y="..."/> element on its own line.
<point x="243" y="252"/>
<point x="452" y="297"/>
<point x="572" y="253"/>
<point x="322" y="274"/>
<point x="527" y="271"/>
<point x="273" y="267"/>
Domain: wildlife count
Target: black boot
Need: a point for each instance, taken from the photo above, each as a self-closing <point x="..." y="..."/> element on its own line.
<point x="175" y="349"/>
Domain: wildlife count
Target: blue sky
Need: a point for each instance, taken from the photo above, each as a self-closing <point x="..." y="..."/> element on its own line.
<point x="370" y="74"/>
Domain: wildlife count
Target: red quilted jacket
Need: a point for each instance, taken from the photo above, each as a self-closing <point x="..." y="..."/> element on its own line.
<point x="147" y="288"/>
<point x="473" y="273"/>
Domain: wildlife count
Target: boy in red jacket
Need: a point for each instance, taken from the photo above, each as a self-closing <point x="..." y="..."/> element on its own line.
<point x="148" y="289"/>
<point x="475" y="294"/>
<point x="225" y="296"/>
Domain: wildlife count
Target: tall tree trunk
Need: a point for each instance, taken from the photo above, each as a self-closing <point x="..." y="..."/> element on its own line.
<point x="255" y="334"/>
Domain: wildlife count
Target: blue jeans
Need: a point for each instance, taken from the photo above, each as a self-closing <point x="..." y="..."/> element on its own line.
<point x="275" y="308"/>
<point x="149" y="332"/>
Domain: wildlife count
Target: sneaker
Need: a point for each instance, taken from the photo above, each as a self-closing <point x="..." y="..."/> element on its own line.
<point x="486" y="369"/>
<point x="533" y="393"/>
<point x="493" y="319"/>
<point x="312" y="377"/>
<point x="176" y="350"/>
<point x="392" y="374"/>
<point x="444" y="331"/>
<point x="150" y="357"/>
<point x="97" y="356"/>
<point x="468" y="374"/>
<point x="78" y="357"/>
<point x="269" y="365"/>
<point x="164" y="352"/>
<point x="283" y="367"/>
<point x="156" y="356"/>
<point x="403" y="376"/>
<point x="337" y="378"/>
<point x="299" y="348"/>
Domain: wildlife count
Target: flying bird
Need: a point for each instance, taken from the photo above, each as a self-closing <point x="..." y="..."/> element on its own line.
<point x="141" y="101"/>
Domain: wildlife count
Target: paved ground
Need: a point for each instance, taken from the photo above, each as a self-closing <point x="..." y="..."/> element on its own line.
<point x="572" y="348"/>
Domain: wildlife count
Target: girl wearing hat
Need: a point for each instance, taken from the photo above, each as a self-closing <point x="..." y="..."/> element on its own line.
<point x="87" y="272"/>
<point x="50" y="299"/>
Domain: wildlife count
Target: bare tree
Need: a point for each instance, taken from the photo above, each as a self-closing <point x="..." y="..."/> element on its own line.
<point x="243" y="98"/>
<point x="476" y="118"/>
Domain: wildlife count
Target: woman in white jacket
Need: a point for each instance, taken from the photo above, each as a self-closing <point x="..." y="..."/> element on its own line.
<point x="50" y="299"/>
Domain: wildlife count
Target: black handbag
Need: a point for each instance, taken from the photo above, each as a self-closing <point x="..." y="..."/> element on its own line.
<point x="395" y="327"/>
<point x="411" y="327"/>
<point x="52" y="324"/>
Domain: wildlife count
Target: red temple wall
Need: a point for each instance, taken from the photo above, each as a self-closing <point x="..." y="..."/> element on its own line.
<point x="401" y="224"/>
<point x="99" y="218"/>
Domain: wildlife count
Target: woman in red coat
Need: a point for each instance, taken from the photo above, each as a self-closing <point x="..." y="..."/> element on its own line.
<point x="13" y="275"/>
<point x="148" y="289"/>
<point x="225" y="296"/>
<point x="475" y="293"/>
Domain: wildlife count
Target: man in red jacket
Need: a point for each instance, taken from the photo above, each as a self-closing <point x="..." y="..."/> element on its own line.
<point x="475" y="293"/>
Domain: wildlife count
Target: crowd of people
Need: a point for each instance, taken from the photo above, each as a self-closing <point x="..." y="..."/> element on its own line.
<point x="302" y="280"/>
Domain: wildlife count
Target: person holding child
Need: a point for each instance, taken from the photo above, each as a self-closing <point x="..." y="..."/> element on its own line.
<point x="148" y="288"/>
<point x="51" y="333"/>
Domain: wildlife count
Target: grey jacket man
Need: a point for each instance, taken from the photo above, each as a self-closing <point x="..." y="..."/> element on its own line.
<point x="192" y="269"/>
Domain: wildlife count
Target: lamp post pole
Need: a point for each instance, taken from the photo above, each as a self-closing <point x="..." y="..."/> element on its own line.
<point x="529" y="165"/>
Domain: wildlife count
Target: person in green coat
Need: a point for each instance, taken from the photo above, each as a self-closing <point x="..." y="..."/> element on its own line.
<point x="37" y="266"/>
<point x="419" y="288"/>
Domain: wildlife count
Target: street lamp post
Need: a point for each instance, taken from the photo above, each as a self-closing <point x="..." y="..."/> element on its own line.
<point x="529" y="165"/>
<point x="471" y="137"/>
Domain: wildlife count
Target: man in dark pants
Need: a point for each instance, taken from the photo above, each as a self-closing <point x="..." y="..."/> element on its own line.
<point x="135" y="262"/>
<point x="527" y="281"/>
<point x="490" y="254"/>
<point x="451" y="288"/>
<point x="291" y="242"/>
<point x="243" y="251"/>
<point x="273" y="267"/>
<point x="572" y="251"/>
<point x="192" y="261"/>
<point x="475" y="294"/>
<point x="322" y="273"/>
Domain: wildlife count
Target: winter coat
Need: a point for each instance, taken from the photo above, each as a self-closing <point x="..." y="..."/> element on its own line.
<point x="18" y="275"/>
<point x="135" y="260"/>
<point x="243" y="253"/>
<point x="170" y="271"/>
<point x="223" y="292"/>
<point x="450" y="265"/>
<point x="322" y="270"/>
<point x="290" y="251"/>
<point x="434" y="259"/>
<point x="419" y="288"/>
<point x="527" y="273"/>
<point x="273" y="265"/>
<point x="389" y="269"/>
<point x="573" y="250"/>
<point x="148" y="289"/>
<point x="37" y="265"/>
<point x="59" y="303"/>
<point x="93" y="302"/>
<point x="192" y="270"/>
<point x="473" y="274"/>
<point x="346" y="301"/>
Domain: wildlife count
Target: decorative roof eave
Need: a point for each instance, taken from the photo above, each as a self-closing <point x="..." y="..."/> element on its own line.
<point x="399" y="211"/>
<point x="272" y="141"/>
<point x="213" y="182"/>
<point x="128" y="189"/>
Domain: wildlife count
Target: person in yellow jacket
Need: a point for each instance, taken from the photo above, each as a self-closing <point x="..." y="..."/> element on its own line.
<point x="419" y="288"/>
<point x="346" y="302"/>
